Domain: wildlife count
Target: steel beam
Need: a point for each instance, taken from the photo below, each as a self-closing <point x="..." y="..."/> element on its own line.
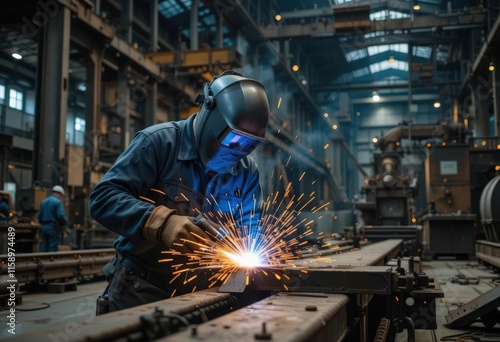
<point x="285" y="317"/>
<point x="377" y="280"/>
<point x="42" y="267"/>
<point x="147" y="322"/>
<point x="52" y="99"/>
<point x="284" y="31"/>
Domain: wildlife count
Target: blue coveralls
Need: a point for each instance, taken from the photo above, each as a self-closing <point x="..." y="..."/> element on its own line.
<point x="51" y="216"/>
<point x="163" y="159"/>
<point x="4" y="211"/>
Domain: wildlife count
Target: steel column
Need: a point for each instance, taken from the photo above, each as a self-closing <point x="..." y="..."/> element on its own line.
<point x="480" y="109"/>
<point x="153" y="25"/>
<point x="496" y="94"/>
<point x="93" y="105"/>
<point x="219" y="33"/>
<point x="194" y="25"/>
<point x="126" y="20"/>
<point x="123" y="103"/>
<point x="151" y="102"/>
<point x="52" y="98"/>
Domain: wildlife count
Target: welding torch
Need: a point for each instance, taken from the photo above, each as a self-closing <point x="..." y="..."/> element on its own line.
<point x="213" y="229"/>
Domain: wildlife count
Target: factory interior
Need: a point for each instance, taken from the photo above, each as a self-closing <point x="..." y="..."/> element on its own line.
<point x="380" y="168"/>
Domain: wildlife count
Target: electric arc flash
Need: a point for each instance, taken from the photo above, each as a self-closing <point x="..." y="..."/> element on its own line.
<point x="245" y="259"/>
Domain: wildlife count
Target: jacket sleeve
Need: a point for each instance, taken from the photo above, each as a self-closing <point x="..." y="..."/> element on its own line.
<point x="61" y="216"/>
<point x="40" y="213"/>
<point x="114" y="201"/>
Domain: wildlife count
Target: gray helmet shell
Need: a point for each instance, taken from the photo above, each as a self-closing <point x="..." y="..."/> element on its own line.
<point x="233" y="102"/>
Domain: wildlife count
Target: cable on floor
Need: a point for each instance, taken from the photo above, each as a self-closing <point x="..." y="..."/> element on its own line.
<point x="464" y="337"/>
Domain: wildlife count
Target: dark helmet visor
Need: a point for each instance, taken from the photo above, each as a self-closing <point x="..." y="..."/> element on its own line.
<point x="239" y="141"/>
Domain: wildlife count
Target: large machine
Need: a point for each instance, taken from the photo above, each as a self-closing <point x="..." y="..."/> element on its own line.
<point x="390" y="206"/>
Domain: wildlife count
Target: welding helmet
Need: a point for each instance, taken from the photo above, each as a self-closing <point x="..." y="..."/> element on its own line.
<point x="232" y="120"/>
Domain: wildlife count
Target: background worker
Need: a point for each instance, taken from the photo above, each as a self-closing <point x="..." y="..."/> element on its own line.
<point x="52" y="217"/>
<point x="4" y="208"/>
<point x="170" y="173"/>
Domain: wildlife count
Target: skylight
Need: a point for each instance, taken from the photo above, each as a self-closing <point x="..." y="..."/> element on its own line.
<point x="342" y="1"/>
<point x="375" y="34"/>
<point x="376" y="49"/>
<point x="172" y="8"/>
<point x="355" y="55"/>
<point x="385" y="14"/>
<point x="385" y="65"/>
<point x="422" y="51"/>
<point x="361" y="72"/>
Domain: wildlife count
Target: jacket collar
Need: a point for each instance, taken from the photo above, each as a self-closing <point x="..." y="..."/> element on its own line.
<point x="187" y="147"/>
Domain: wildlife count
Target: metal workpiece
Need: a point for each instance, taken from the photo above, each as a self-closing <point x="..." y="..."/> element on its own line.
<point x="343" y="279"/>
<point x="283" y="317"/>
<point x="142" y="323"/>
<point x="375" y="254"/>
<point x="42" y="267"/>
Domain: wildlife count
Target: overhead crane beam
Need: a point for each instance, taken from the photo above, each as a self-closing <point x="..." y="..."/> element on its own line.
<point x="325" y="29"/>
<point x="207" y="62"/>
<point x="375" y="5"/>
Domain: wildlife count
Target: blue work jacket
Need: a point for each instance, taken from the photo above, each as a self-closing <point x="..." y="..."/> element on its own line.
<point x="52" y="211"/>
<point x="161" y="166"/>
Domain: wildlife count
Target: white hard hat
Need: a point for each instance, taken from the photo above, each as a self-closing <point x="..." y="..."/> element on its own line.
<point x="59" y="189"/>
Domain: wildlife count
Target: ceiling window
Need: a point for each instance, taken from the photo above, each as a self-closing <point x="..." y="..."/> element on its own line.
<point x="355" y="55"/>
<point x="171" y="8"/>
<point x="374" y="50"/>
<point x="360" y="72"/>
<point x="16" y="99"/>
<point x="385" y="65"/>
<point x="374" y="34"/>
<point x="80" y="125"/>
<point x="384" y="14"/>
<point x="2" y="93"/>
<point x="422" y="51"/>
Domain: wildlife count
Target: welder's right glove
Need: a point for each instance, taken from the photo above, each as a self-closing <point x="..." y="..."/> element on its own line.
<point x="174" y="231"/>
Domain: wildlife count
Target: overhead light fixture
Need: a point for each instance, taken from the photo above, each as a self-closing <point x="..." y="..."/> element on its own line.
<point x="16" y="55"/>
<point x="437" y="104"/>
<point x="491" y="67"/>
<point x="278" y="17"/>
<point x="325" y="115"/>
<point x="375" y="96"/>
<point x="295" y="67"/>
<point x="391" y="59"/>
<point x="304" y="82"/>
<point x="416" y="7"/>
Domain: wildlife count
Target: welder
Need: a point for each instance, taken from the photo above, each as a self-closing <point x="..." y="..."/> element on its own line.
<point x="172" y="172"/>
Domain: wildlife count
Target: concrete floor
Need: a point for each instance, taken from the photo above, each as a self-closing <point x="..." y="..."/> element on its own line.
<point x="67" y="309"/>
<point x="39" y="310"/>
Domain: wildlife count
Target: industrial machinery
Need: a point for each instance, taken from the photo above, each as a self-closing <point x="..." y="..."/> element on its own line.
<point x="360" y="295"/>
<point x="449" y="223"/>
<point x="391" y="206"/>
<point x="488" y="250"/>
<point x="27" y="232"/>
